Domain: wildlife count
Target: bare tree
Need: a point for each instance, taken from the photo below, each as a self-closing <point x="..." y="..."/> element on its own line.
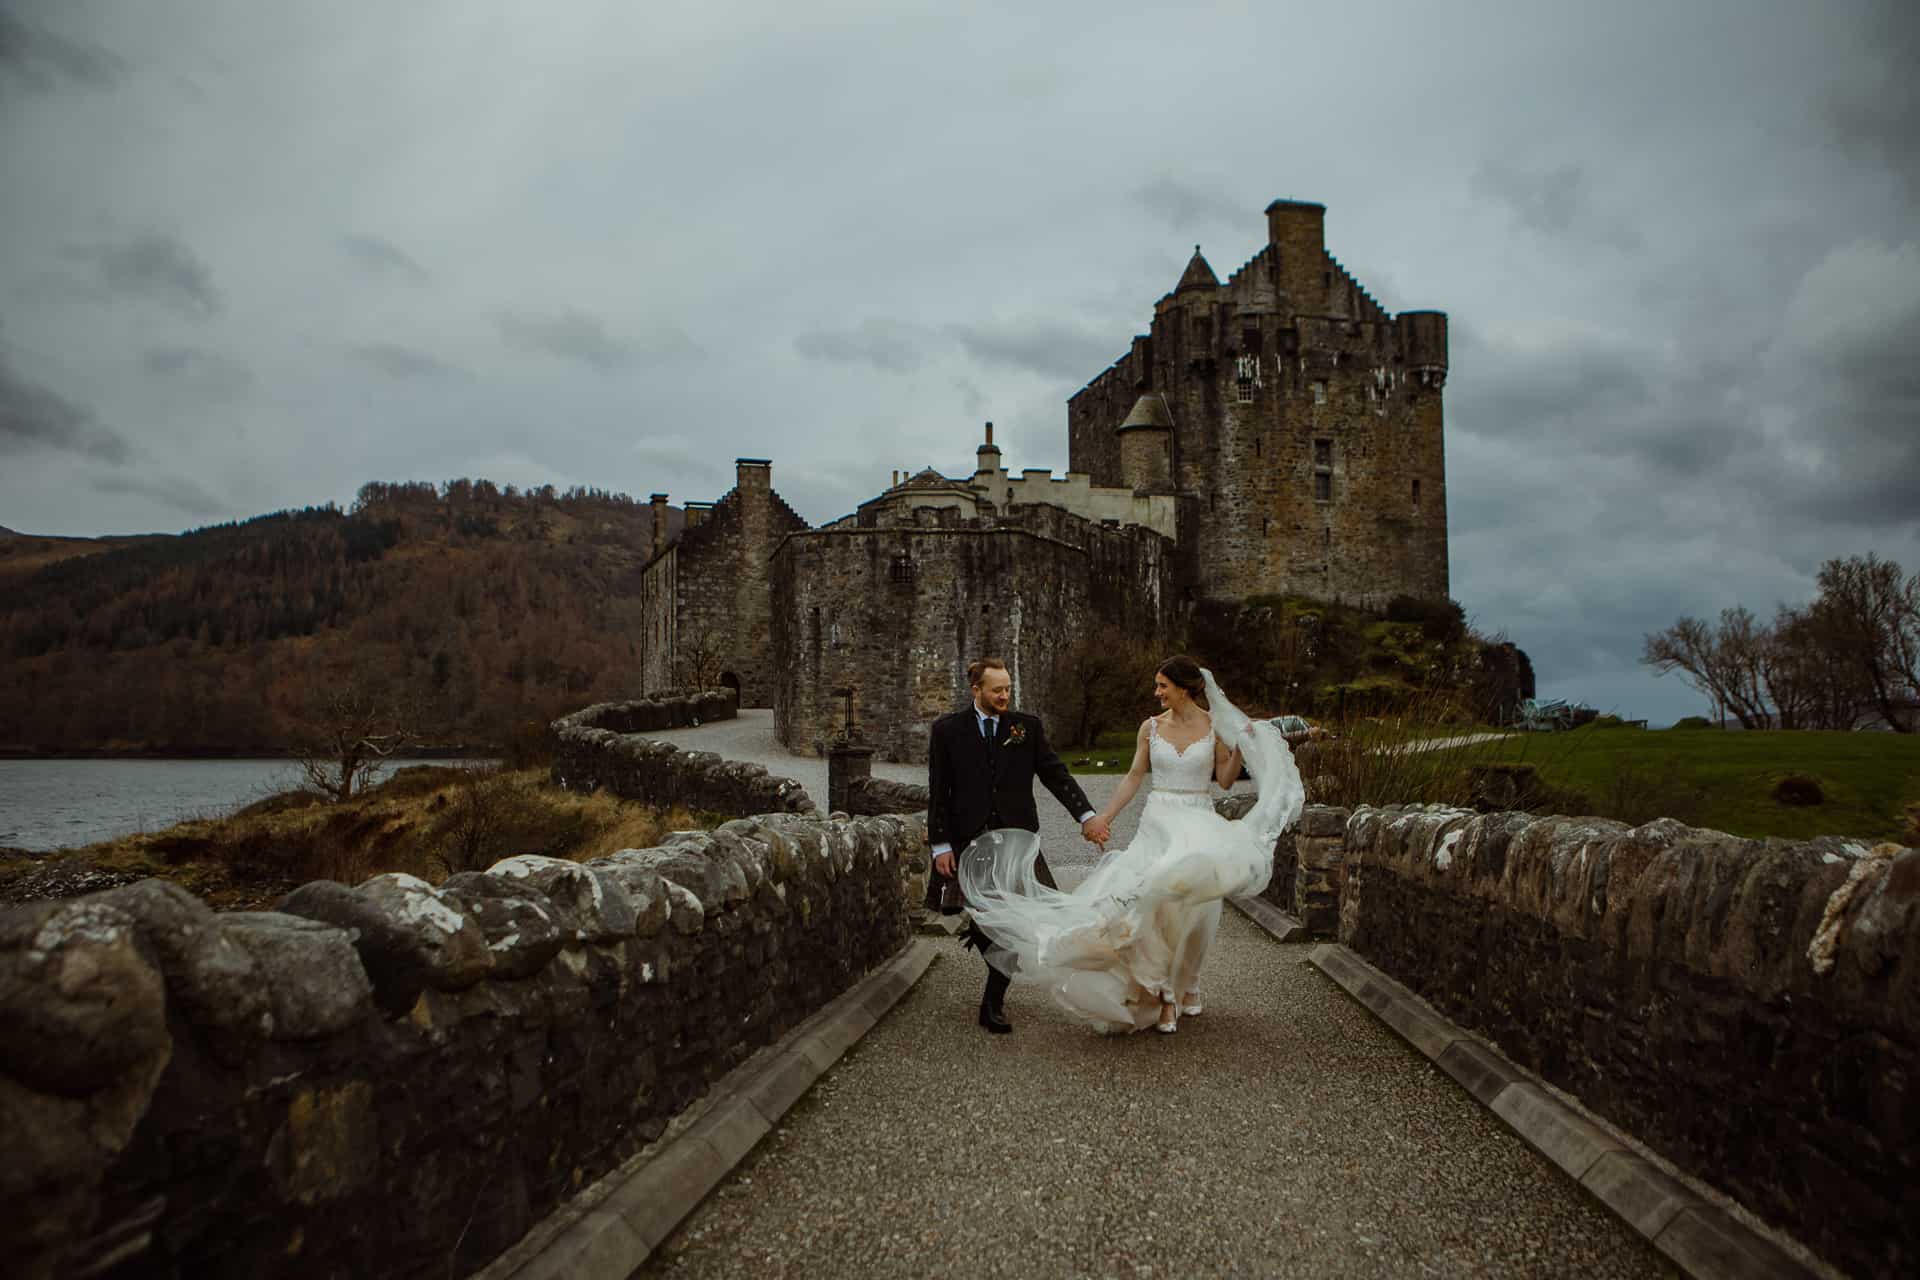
<point x="349" y="729"/>
<point x="698" y="659"/>
<point x="1813" y="682"/>
<point x="1105" y="673"/>
<point x="1872" y="616"/>
<point x="1727" y="664"/>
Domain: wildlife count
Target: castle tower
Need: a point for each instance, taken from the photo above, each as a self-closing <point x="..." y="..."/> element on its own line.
<point x="1146" y="446"/>
<point x="1303" y="426"/>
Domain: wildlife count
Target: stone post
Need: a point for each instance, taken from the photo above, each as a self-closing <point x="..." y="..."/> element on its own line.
<point x="1320" y="844"/>
<point x="847" y="764"/>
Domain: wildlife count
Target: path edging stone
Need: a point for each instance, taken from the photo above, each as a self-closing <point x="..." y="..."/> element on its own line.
<point x="1689" y="1230"/>
<point x="1282" y="926"/>
<point x="629" y="1212"/>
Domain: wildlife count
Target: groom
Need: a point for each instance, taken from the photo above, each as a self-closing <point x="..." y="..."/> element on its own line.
<point x="981" y="763"/>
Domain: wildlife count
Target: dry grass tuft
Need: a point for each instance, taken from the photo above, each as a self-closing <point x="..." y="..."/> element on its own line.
<point x="430" y="822"/>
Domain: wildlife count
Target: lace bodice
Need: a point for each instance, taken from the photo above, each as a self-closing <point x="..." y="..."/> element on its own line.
<point x="1179" y="772"/>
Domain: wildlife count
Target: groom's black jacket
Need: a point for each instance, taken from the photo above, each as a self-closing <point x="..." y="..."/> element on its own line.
<point x="975" y="785"/>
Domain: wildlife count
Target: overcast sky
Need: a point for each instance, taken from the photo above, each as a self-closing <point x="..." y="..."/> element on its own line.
<point x="256" y="253"/>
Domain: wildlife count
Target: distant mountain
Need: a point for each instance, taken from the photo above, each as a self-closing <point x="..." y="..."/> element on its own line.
<point x="490" y="609"/>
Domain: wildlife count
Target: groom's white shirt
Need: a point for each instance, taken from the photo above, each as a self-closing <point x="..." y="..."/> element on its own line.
<point x="988" y="727"/>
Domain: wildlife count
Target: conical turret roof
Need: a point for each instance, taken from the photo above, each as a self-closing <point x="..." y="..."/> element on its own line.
<point x="1149" y="412"/>
<point x="1198" y="275"/>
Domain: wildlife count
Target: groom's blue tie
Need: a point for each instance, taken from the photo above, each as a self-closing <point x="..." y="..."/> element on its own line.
<point x="988" y="727"/>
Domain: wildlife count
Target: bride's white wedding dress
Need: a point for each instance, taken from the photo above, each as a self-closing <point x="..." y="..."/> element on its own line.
<point x="1136" y="930"/>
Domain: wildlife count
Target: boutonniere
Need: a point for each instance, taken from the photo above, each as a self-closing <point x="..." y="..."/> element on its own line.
<point x="1015" y="736"/>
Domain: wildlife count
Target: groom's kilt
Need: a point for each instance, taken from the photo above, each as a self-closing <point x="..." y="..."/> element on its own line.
<point x="944" y="896"/>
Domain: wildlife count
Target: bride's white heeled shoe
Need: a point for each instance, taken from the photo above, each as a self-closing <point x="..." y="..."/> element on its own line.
<point x="1196" y="1007"/>
<point x="1169" y="1020"/>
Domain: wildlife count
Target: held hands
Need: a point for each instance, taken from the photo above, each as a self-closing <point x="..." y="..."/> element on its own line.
<point x="944" y="864"/>
<point x="1097" y="830"/>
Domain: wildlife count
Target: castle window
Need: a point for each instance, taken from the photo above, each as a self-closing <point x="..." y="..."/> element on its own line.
<point x="1250" y="340"/>
<point x="1327" y="537"/>
<point x="1244" y="389"/>
<point x="1265" y="524"/>
<point x="1416" y="497"/>
<point x="901" y="570"/>
<point x="1323" y="471"/>
<point x="1323" y="453"/>
<point x="1323" y="486"/>
<point x="1319" y="393"/>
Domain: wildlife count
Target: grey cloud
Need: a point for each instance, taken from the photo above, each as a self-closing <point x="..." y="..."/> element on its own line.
<point x="382" y="258"/>
<point x="891" y="347"/>
<point x="1876" y="113"/>
<point x="1507" y="391"/>
<point x="1182" y="206"/>
<point x="397" y="361"/>
<point x="1044" y="347"/>
<point x="199" y="372"/>
<point x="571" y="334"/>
<point x="973" y="401"/>
<point x="39" y="59"/>
<point x="32" y="417"/>
<point x="1553" y="201"/>
<point x="154" y="267"/>
<point x="178" y="492"/>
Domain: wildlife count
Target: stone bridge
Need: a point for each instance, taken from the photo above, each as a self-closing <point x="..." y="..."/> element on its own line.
<point x="1443" y="1043"/>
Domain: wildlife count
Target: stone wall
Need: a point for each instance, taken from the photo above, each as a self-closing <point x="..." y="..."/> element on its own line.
<point x="877" y="796"/>
<point x="664" y="711"/>
<point x="398" y="1080"/>
<point x="897" y="612"/>
<point x="1748" y="1008"/>
<point x="1287" y="372"/>
<point x="658" y="773"/>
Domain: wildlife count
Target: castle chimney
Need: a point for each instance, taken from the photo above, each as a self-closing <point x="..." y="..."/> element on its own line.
<point x="987" y="456"/>
<point x="659" y="501"/>
<point x="753" y="475"/>
<point x="1297" y="230"/>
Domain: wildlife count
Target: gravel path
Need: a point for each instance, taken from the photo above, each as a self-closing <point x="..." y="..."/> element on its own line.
<point x="1285" y="1131"/>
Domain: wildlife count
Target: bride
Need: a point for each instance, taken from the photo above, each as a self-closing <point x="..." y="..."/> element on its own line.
<point x="1123" y="949"/>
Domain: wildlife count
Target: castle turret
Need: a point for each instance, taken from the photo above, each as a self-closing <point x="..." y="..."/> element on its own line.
<point x="1297" y="231"/>
<point x="1198" y="275"/>
<point x="1423" y="336"/>
<point x="1146" y="445"/>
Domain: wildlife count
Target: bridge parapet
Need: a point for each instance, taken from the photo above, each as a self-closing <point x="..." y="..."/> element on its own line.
<point x="398" y="1079"/>
<point x="1748" y="1008"/>
<point x="602" y="748"/>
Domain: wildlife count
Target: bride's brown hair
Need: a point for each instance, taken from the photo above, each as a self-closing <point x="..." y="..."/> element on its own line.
<point x="1185" y="672"/>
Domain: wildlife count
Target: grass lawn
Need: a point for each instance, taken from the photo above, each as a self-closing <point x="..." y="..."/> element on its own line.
<point x="1702" y="777"/>
<point x="1726" y="780"/>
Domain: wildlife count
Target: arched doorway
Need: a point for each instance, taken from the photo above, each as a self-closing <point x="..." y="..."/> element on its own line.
<point x="728" y="680"/>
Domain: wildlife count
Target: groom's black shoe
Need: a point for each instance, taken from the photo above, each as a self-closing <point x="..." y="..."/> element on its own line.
<point x="994" y="1018"/>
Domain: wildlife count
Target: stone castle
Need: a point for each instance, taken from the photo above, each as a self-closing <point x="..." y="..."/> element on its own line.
<point x="1279" y="434"/>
